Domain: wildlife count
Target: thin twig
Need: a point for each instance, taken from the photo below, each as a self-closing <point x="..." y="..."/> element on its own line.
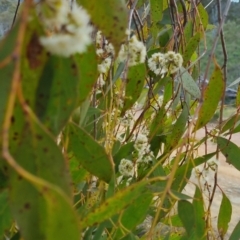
<point x="216" y="41"/>
<point x="15" y="14"/>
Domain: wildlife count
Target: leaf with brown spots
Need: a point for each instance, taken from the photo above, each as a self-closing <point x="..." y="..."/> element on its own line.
<point x="86" y="65"/>
<point x="211" y="97"/>
<point x="202" y="17"/>
<point x="5" y="213"/>
<point x="33" y="60"/>
<point x="230" y="150"/>
<point x="110" y="16"/>
<point x="40" y="210"/>
<point x="57" y="93"/>
<point x="90" y="154"/>
<point x="6" y="72"/>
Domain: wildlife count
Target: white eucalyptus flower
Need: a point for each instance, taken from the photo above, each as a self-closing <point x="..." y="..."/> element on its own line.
<point x="126" y="168"/>
<point x="72" y="34"/>
<point x="174" y="61"/>
<point x="161" y="63"/>
<point x="105" y="65"/>
<point x="157" y="63"/>
<point x="134" y="51"/>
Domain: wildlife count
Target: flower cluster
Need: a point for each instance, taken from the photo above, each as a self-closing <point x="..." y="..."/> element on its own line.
<point x="134" y="51"/>
<point x="69" y="29"/>
<point x="161" y="63"/>
<point x="142" y="157"/>
<point x="126" y="168"/>
<point x="105" y="52"/>
<point x="142" y="151"/>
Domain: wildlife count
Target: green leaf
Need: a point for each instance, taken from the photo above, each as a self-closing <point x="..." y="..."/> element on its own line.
<point x="177" y="131"/>
<point x="238" y="97"/>
<point x="191" y="47"/>
<point x="78" y="173"/>
<point x="156" y="16"/>
<point x="188" y="31"/>
<point x="134" y="214"/>
<point x="183" y="173"/>
<point x="186" y="214"/>
<point x="211" y="97"/>
<point x="202" y="19"/>
<point x="164" y="37"/>
<point x="114" y="205"/>
<point x="60" y="220"/>
<point x="40" y="209"/>
<point x="189" y="84"/>
<point x="5" y="213"/>
<point x="134" y="85"/>
<point x="198" y="206"/>
<point x="157" y="124"/>
<point x="88" y="74"/>
<point x="230" y="150"/>
<point x="90" y="154"/>
<point x="231" y="123"/>
<point x="110" y="17"/>
<point x="33" y="61"/>
<point x="168" y="90"/>
<point x="125" y="151"/>
<point x="7" y="46"/>
<point x="57" y="93"/>
<point x="224" y="216"/>
<point x="236" y="232"/>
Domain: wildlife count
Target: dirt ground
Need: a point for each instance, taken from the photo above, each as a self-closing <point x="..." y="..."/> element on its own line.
<point x="228" y="180"/>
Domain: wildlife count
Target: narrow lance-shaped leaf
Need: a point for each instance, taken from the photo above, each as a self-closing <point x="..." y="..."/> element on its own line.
<point x="188" y="31"/>
<point x="202" y="18"/>
<point x="57" y="93"/>
<point x="178" y="129"/>
<point x="114" y="205"/>
<point x="211" y="97"/>
<point x="90" y="154"/>
<point x="236" y="232"/>
<point x="134" y="85"/>
<point x="198" y="206"/>
<point x="134" y="214"/>
<point x="110" y="17"/>
<point x="191" y="48"/>
<point x="224" y="215"/>
<point x="230" y="150"/>
<point x="188" y="220"/>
